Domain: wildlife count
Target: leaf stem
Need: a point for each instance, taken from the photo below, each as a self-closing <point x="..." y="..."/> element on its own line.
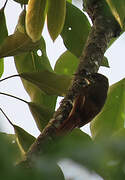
<point x="6" y="117"/>
<point x="16" y="75"/>
<point x="5" y="94"/>
<point x="4" y="4"/>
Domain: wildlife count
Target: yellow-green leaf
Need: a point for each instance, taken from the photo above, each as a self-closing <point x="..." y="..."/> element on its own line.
<point x="112" y="116"/>
<point x="32" y="62"/>
<point x="20" y="43"/>
<point x="24" y="139"/>
<point x="69" y="1"/>
<point x="41" y="114"/>
<point x="118" y="10"/>
<point x="66" y="64"/>
<point x="21" y="22"/>
<point x="10" y="139"/>
<point x="49" y="82"/>
<point x="119" y="134"/>
<point x="35" y="18"/>
<point x="36" y="61"/>
<point x="105" y="62"/>
<point x="56" y="17"/>
<point x="1" y="66"/>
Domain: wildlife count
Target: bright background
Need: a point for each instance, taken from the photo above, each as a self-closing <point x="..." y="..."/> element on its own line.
<point x="18" y="112"/>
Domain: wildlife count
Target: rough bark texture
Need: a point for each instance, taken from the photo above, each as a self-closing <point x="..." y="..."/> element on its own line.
<point x="103" y="30"/>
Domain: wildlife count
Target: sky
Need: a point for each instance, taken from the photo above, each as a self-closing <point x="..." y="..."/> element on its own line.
<point x="17" y="111"/>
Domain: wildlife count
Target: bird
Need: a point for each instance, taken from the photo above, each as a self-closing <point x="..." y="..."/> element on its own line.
<point x="88" y="103"/>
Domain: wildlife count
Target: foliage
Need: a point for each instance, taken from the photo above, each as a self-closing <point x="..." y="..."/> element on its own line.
<point x="104" y="153"/>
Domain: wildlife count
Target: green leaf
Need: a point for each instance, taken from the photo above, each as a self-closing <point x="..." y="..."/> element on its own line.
<point x="79" y="147"/>
<point x="105" y="62"/>
<point x="1" y="66"/>
<point x="20" y="43"/>
<point x="3" y="27"/>
<point x="43" y="169"/>
<point x="35" y="18"/>
<point x="66" y="64"/>
<point x="69" y="1"/>
<point x="11" y="141"/>
<point x="119" y="134"/>
<point x="41" y="114"/>
<point x="109" y="14"/>
<point x="67" y="145"/>
<point x="49" y="82"/>
<point x="32" y="62"/>
<point x="24" y="139"/>
<point x="76" y="29"/>
<point x="79" y="136"/>
<point x="114" y="39"/>
<point x="3" y="35"/>
<point x="50" y="170"/>
<point x="95" y="156"/>
<point x="118" y="10"/>
<point x="59" y="173"/>
<point x="21" y="22"/>
<point x="112" y="116"/>
<point x="41" y="62"/>
<point x="56" y="17"/>
<point x="21" y="1"/>
<point x="11" y="138"/>
<point x="9" y="151"/>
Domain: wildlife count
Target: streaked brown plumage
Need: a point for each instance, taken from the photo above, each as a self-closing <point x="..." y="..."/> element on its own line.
<point x="89" y="102"/>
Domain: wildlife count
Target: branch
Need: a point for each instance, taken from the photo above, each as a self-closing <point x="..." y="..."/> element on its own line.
<point x="104" y="29"/>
